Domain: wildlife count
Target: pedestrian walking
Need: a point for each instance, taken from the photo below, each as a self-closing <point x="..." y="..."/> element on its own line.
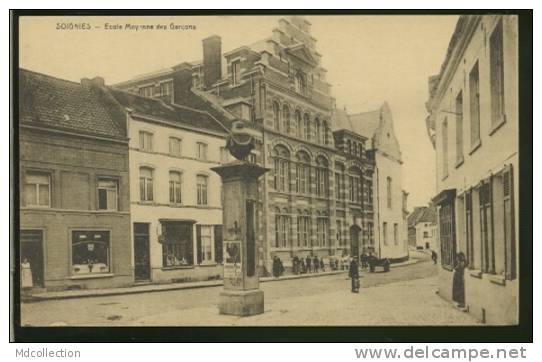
<point x="281" y="267"/>
<point x="458" y="287"/>
<point x="434" y="256"/>
<point x="353" y="273"/>
<point x="308" y="261"/>
<point x="363" y="259"/>
<point x="322" y="265"/>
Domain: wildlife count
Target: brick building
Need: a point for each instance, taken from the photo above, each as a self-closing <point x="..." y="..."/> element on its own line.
<point x="473" y="125"/>
<point x="74" y="185"/>
<point x="317" y="198"/>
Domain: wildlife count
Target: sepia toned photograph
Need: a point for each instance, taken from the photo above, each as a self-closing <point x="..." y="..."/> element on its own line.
<point x="268" y="170"/>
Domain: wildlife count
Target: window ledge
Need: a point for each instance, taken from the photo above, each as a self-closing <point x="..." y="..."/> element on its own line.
<point x="475" y="146"/>
<point x="476" y="273"/>
<point x="497" y="279"/>
<point x="444" y="177"/>
<point x="177" y="267"/>
<point x="459" y="162"/>
<point x="92" y="276"/>
<point x="498" y="124"/>
<point x="208" y="264"/>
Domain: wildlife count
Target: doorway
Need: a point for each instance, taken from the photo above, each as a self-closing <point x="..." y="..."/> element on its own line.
<point x="32" y="251"/>
<point x="355" y="232"/>
<point x="142" y="263"/>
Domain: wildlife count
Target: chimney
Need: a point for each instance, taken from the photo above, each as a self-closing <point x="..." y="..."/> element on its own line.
<point x="94" y="82"/>
<point x="182" y="82"/>
<point x="212" y="60"/>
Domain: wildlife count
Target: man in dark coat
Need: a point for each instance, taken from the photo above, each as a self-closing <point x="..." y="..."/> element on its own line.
<point x="308" y="261"/>
<point x="276" y="267"/>
<point x="316" y="263"/>
<point x="434" y="256"/>
<point x="353" y="273"/>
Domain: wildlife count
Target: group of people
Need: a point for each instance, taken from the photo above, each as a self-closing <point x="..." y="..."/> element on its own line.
<point x="310" y="264"/>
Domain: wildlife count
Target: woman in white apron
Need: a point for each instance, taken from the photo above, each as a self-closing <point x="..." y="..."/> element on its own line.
<point x="26" y="275"/>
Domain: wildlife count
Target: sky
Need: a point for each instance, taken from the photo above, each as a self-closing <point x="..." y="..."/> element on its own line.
<point x="369" y="59"/>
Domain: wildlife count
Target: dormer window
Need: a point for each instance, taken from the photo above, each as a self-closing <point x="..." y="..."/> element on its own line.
<point x="147" y="91"/>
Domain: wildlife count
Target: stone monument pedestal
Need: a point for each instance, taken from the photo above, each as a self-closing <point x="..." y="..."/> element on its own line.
<point x="241" y="295"/>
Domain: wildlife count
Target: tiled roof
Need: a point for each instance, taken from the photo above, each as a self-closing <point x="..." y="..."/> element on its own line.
<point x="422" y="214"/>
<point x="51" y="102"/>
<point x="364" y="124"/>
<point x="192" y="112"/>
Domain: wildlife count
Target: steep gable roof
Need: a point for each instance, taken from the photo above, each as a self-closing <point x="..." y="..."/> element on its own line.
<point x="55" y="103"/>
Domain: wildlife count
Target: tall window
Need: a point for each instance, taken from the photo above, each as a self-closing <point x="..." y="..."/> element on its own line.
<point x="145" y="184"/>
<point x="300" y="83"/>
<point x="318" y="130"/>
<point x="447" y="234"/>
<point x="37" y="189"/>
<point x="204" y="234"/>
<point x="90" y="252"/>
<point x="236" y="72"/>
<point x="389" y="188"/>
<point x="497" y="75"/>
<point x="285" y="119"/>
<point x="303" y="173"/>
<point x="486" y="227"/>
<point x="322" y="230"/>
<point x="276" y="116"/>
<point x="166" y="88"/>
<point x="202" y="183"/>
<point x="299" y="124"/>
<point x="145" y="141"/>
<point x="107" y="194"/>
<point x="303" y="229"/>
<point x="474" y="96"/>
<point x="395" y="234"/>
<point x="459" y="128"/>
<point x="201" y="151"/>
<point x="282" y="229"/>
<point x="282" y="169"/>
<point x="445" y="147"/>
<point x="175" y="187"/>
<point x="322" y="177"/>
<point x="306" y="127"/>
<point x="174" y="146"/>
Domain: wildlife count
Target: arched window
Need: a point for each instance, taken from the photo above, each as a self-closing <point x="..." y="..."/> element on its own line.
<point x="322" y="177"/>
<point x="318" y="131"/>
<point x="303" y="173"/>
<point x="339" y="181"/>
<point x="300" y="83"/>
<point x="306" y="127"/>
<point x="389" y="191"/>
<point x="276" y="116"/>
<point x="282" y="168"/>
<point x="298" y="124"/>
<point x="322" y="229"/>
<point x="286" y="119"/>
<point x="146" y="192"/>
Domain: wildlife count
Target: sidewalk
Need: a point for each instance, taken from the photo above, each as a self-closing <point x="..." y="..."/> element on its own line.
<point x="150" y="288"/>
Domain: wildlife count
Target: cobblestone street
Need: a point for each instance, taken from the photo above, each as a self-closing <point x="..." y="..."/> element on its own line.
<point x="404" y="296"/>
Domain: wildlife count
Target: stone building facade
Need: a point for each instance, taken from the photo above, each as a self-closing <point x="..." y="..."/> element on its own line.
<point x="74" y="184"/>
<point x="278" y="87"/>
<point x="473" y="124"/>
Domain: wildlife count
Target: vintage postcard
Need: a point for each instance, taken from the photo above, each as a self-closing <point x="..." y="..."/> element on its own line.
<point x="268" y="170"/>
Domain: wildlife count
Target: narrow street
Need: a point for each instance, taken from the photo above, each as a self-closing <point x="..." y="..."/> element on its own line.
<point x="324" y="300"/>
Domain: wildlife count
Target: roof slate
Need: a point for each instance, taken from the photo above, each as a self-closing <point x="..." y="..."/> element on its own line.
<point x="51" y="102"/>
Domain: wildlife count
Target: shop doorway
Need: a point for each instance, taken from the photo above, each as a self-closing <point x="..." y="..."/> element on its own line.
<point x="32" y="252"/>
<point x="142" y="252"/>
